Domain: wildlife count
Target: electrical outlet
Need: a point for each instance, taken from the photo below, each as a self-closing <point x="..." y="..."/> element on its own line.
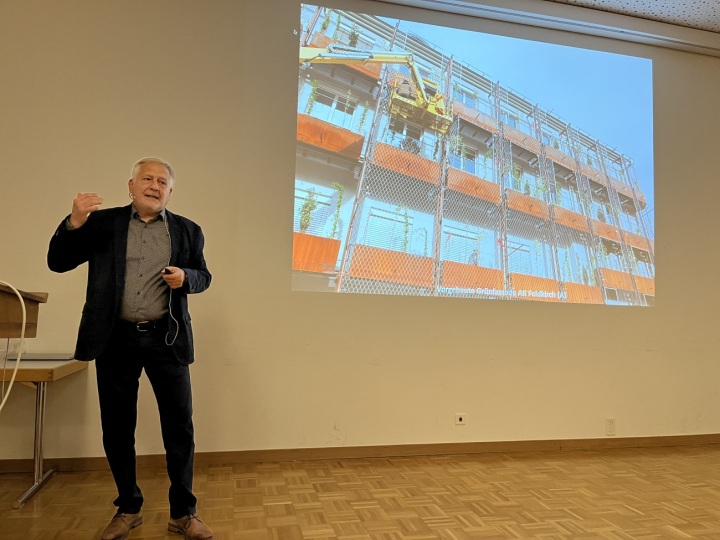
<point x="610" y="427"/>
<point x="459" y="419"/>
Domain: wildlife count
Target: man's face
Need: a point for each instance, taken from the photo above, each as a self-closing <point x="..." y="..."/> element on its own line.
<point x="150" y="187"/>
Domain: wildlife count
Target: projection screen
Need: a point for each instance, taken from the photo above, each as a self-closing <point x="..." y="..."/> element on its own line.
<point x="436" y="161"/>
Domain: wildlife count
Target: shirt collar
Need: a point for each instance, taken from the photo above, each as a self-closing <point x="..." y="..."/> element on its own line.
<point x="162" y="216"/>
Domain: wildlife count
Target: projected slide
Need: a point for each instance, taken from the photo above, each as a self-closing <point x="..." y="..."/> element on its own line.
<point x="433" y="161"/>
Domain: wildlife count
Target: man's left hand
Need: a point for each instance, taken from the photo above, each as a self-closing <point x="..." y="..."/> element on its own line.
<point x="175" y="278"/>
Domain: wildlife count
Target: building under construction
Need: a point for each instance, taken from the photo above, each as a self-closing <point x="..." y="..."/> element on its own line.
<point x="418" y="175"/>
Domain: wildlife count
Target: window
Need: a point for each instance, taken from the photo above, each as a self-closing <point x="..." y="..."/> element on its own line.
<point x="510" y="118"/>
<point x="389" y="229"/>
<point x="519" y="257"/>
<point x="575" y="266"/>
<point x="468" y="244"/>
<point x="411" y="138"/>
<point x="311" y="210"/>
<point x="464" y="157"/>
<point x="333" y="107"/>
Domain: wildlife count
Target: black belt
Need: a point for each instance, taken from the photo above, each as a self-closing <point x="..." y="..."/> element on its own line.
<point x="144" y="326"/>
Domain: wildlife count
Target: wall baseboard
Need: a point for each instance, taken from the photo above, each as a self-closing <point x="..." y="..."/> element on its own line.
<point x="382" y="451"/>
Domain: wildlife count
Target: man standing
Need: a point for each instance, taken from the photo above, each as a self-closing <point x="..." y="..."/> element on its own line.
<point x="143" y="261"/>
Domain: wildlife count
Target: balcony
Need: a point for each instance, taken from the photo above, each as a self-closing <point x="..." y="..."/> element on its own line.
<point x="571" y="219"/>
<point x="527" y="204"/>
<point x="472" y="185"/>
<point x="330" y="137"/>
<point x="406" y="163"/>
<point x="469" y="276"/>
<point x="635" y="240"/>
<point x="593" y="173"/>
<point x="627" y="190"/>
<point x="390" y="266"/>
<point x="527" y="287"/>
<point x="314" y="253"/>
<point x="645" y="285"/>
<point x="616" y="279"/>
<point x="521" y="139"/>
<point x="577" y="293"/>
<point x="475" y="117"/>
<point x="560" y="157"/>
<point x="605" y="230"/>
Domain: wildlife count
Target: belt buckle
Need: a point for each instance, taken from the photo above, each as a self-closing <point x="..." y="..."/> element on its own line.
<point x="141" y="326"/>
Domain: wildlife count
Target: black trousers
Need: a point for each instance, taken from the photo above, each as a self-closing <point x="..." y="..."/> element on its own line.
<point x="118" y="376"/>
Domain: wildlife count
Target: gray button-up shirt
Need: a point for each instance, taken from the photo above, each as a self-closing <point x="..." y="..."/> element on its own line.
<point x="146" y="294"/>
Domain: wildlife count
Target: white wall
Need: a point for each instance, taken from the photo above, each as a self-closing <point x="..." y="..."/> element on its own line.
<point x="90" y="87"/>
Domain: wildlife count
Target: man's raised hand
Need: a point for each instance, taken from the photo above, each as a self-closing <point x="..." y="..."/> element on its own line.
<point x="83" y="205"/>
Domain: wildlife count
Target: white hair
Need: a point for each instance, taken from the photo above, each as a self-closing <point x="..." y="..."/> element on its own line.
<point x="157" y="160"/>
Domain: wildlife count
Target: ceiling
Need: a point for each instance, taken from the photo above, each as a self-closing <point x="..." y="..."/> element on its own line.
<point x="699" y="14"/>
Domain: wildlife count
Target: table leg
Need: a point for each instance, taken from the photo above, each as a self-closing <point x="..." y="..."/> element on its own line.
<point x="39" y="478"/>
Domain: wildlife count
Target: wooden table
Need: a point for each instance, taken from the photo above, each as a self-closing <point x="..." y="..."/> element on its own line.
<point x="38" y="370"/>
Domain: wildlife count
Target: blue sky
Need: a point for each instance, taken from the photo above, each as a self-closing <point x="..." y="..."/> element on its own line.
<point x="606" y="95"/>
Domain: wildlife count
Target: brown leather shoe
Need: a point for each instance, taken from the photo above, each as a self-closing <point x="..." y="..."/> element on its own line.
<point x="191" y="527"/>
<point x="120" y="525"/>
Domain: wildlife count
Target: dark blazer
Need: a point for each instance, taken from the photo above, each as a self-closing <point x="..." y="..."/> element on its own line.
<point x="102" y="243"/>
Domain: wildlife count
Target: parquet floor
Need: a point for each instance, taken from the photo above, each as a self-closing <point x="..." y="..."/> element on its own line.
<point x="651" y="493"/>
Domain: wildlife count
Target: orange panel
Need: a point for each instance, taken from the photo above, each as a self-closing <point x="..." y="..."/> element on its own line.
<point x="469" y="276"/>
<point x="592" y="172"/>
<point x="566" y="217"/>
<point x="645" y="285"/>
<point x="406" y="163"/>
<point x="314" y="253"/>
<point x="528" y="287"/>
<point x="475" y="117"/>
<point x="636" y="240"/>
<point x="527" y="204"/>
<point x="605" y="230"/>
<point x="391" y="266"/>
<point x="325" y="135"/>
<point x="616" y="279"/>
<point x="626" y="190"/>
<point x="560" y="157"/>
<point x="521" y="139"/>
<point x="322" y="41"/>
<point x="577" y="293"/>
<point x="470" y="184"/>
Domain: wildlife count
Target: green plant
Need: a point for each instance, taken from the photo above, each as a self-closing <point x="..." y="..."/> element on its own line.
<point x="363" y="116"/>
<point x="312" y="98"/>
<point x="354" y="36"/>
<point x="566" y="267"/>
<point x="424" y="233"/>
<point x="406" y="226"/>
<point x="326" y="21"/>
<point x="348" y="103"/>
<point x="337" y="27"/>
<point x="517" y="175"/>
<point x="487" y="155"/>
<point x="455" y="144"/>
<point x="336" y="218"/>
<point x="306" y="210"/>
